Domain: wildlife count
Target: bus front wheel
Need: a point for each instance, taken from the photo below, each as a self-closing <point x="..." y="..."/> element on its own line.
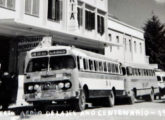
<point x="80" y="104"/>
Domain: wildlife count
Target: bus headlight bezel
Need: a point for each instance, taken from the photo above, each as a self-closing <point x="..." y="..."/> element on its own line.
<point x="30" y="88"/>
<point x="61" y="85"/>
<point x="67" y="85"/>
<point x="36" y="87"/>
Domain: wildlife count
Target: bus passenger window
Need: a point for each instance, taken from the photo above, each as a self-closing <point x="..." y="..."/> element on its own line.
<point x="113" y="68"/>
<point x="123" y="70"/>
<point x="105" y="67"/>
<point x="109" y="68"/>
<point x="85" y="66"/>
<point x="159" y="78"/>
<point x="90" y="64"/>
<point x="100" y="66"/>
<point x="78" y="62"/>
<point x="117" y="69"/>
<point x="96" y="65"/>
<point x="163" y="79"/>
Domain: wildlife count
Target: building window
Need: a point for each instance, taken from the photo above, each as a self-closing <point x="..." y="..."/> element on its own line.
<point x="141" y="49"/>
<point x="80" y="16"/>
<point x="32" y="7"/>
<point x="130" y="45"/>
<point x="117" y="39"/>
<point x="110" y="48"/>
<point x="10" y="4"/>
<point x="125" y="44"/>
<point x="110" y="37"/>
<point x="135" y="46"/>
<point x="89" y="20"/>
<point x="100" y="25"/>
<point x="55" y="10"/>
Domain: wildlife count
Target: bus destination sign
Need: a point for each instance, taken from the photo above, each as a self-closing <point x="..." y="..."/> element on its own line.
<point x="57" y="52"/>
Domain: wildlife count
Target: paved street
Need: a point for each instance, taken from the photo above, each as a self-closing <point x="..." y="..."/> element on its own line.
<point x="139" y="111"/>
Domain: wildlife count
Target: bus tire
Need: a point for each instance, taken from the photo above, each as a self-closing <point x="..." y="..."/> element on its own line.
<point x="150" y="97"/>
<point x="80" y="104"/>
<point x="111" y="99"/>
<point x="131" y="99"/>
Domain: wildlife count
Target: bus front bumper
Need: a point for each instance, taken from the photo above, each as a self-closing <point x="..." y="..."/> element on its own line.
<point x="51" y="96"/>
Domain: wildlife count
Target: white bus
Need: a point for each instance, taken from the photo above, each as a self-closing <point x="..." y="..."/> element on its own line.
<point x="140" y="82"/>
<point x="68" y="75"/>
<point x="161" y="83"/>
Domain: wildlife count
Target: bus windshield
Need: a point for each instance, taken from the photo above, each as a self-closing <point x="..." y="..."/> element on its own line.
<point x="55" y="62"/>
<point x="38" y="64"/>
<point x="62" y="62"/>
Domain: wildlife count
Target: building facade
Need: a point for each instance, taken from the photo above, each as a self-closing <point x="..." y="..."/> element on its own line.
<point x="81" y="23"/>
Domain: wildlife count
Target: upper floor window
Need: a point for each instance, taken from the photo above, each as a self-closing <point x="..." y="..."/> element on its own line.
<point x="80" y="16"/>
<point x="32" y="7"/>
<point x="117" y="39"/>
<point x="10" y="4"/>
<point x="55" y="10"/>
<point x="100" y="25"/>
<point x="125" y="43"/>
<point x="89" y="20"/>
<point x="141" y="49"/>
<point x="135" y="46"/>
<point x="110" y="37"/>
<point x="130" y="45"/>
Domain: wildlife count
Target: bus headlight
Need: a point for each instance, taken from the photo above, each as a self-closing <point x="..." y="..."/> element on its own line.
<point x="36" y="87"/>
<point x="30" y="88"/>
<point x="61" y="85"/>
<point x="67" y="85"/>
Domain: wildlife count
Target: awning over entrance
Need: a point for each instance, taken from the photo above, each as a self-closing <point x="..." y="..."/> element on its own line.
<point x="11" y="28"/>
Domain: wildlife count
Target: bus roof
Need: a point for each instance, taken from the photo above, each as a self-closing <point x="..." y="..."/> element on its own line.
<point x="75" y="51"/>
<point x="142" y="66"/>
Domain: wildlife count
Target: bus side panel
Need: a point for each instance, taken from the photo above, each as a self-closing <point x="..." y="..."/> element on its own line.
<point x="142" y="85"/>
<point x="100" y="85"/>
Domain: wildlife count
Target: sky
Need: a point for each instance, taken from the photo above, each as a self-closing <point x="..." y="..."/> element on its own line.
<point x="137" y="12"/>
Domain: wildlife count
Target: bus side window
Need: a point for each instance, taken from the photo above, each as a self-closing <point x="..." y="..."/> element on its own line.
<point x="78" y="62"/>
<point x="109" y="68"/>
<point x="113" y="68"/>
<point x="105" y="67"/>
<point x="117" y="69"/>
<point x="96" y="65"/>
<point x="123" y="70"/>
<point x="139" y="72"/>
<point x="91" y="65"/>
<point x="163" y="78"/>
<point x="100" y="66"/>
<point x="85" y="64"/>
<point x="159" y="78"/>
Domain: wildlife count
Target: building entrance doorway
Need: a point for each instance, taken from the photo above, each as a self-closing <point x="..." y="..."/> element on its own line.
<point x="4" y="53"/>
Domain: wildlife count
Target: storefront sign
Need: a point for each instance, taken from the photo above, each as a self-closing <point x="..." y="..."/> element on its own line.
<point x="28" y="43"/>
<point x="73" y="24"/>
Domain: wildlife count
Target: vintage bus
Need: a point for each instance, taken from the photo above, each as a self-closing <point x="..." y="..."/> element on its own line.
<point x="161" y="82"/>
<point x="61" y="74"/>
<point x="68" y="75"/>
<point x="140" y="82"/>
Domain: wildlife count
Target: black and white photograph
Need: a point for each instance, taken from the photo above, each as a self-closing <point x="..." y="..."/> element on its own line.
<point x="82" y="59"/>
